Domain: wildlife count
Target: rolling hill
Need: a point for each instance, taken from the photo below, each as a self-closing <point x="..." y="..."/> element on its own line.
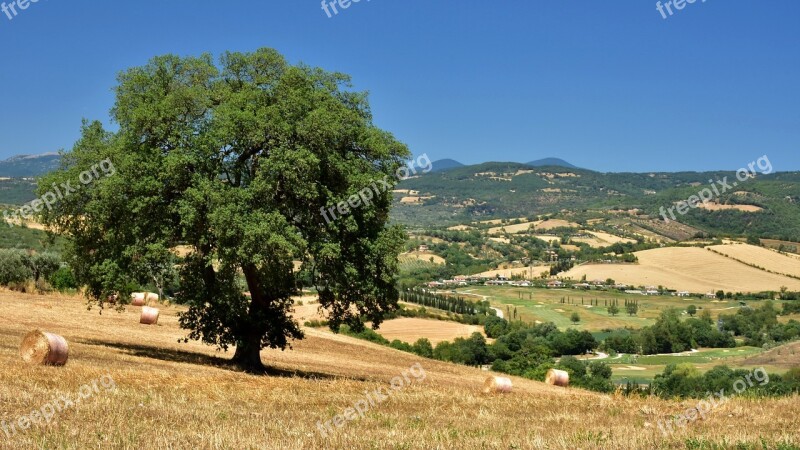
<point x="27" y="166"/>
<point x="508" y="190"/>
<point x="551" y="162"/>
<point x="691" y="269"/>
<point x="170" y="395"/>
<point x="445" y="164"/>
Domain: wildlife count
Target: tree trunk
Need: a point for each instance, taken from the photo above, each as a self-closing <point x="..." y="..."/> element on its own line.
<point x="248" y="355"/>
<point x="248" y="348"/>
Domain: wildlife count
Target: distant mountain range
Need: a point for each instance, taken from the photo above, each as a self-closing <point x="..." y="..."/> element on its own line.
<point x="764" y="206"/>
<point x="445" y="164"/>
<point x="449" y="164"/>
<point x="547" y="162"/>
<point x="26" y="166"/>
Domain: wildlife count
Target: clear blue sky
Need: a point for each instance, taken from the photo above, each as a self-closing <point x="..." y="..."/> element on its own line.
<point x="610" y="86"/>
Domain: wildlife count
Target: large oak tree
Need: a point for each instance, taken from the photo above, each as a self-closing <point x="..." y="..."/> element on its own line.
<point x="235" y="161"/>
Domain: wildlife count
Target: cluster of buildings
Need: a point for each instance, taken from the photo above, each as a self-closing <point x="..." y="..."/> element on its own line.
<point x="460" y="281"/>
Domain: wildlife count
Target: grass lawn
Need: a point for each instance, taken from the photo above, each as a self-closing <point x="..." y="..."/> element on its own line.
<point x="544" y="305"/>
<point x="642" y="369"/>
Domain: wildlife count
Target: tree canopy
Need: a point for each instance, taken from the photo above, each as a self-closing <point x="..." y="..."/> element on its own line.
<point x="235" y="161"/>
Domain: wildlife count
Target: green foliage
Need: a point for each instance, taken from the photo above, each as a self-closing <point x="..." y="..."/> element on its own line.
<point x="17" y="191"/>
<point x="691" y="310"/>
<point x="685" y="381"/>
<point x="470" y="351"/>
<point x="621" y="341"/>
<point x="402" y="346"/>
<point x="19" y="266"/>
<point x="63" y="280"/>
<point x="237" y="161"/>
<point x="423" y="348"/>
<point x="457" y="305"/>
<point x="24" y="238"/>
<point x="14" y="267"/>
<point x="575" y="317"/>
<point x="760" y="326"/>
<point x="43" y="265"/>
<point x="495" y="326"/>
<point x="365" y="334"/>
<point x="791" y="308"/>
<point x="670" y="335"/>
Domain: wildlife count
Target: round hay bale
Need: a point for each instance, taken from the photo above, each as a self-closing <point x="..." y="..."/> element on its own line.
<point x="149" y="315"/>
<point x="557" y="377"/>
<point x="137" y="299"/>
<point x="498" y="385"/>
<point x="151" y="297"/>
<point x="49" y="349"/>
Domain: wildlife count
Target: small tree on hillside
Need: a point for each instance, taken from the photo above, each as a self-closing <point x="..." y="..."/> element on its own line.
<point x="613" y="310"/>
<point x="691" y="310"/>
<point x="632" y="308"/>
<point x="575" y="318"/>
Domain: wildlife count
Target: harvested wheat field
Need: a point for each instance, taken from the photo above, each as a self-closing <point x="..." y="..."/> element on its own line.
<point x="687" y="268"/>
<point x="549" y="224"/>
<point x="409" y="330"/>
<point x="762" y="257"/>
<point x="607" y="239"/>
<point x="548" y="238"/>
<point x="155" y="393"/>
<point x="512" y="229"/>
<point x="422" y="256"/>
<point x="460" y="228"/>
<point x="718" y="207"/>
<point x="529" y="272"/>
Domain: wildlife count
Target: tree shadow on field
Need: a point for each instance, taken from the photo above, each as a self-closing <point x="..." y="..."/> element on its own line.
<point x="181" y="356"/>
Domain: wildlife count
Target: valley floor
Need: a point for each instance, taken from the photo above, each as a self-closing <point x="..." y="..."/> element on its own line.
<point x="175" y="395"/>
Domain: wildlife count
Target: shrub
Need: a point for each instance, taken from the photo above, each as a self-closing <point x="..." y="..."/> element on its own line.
<point x="423" y="348"/>
<point x="400" y="345"/>
<point x="316" y="323"/>
<point x="63" y="279"/>
<point x="14" y="268"/>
